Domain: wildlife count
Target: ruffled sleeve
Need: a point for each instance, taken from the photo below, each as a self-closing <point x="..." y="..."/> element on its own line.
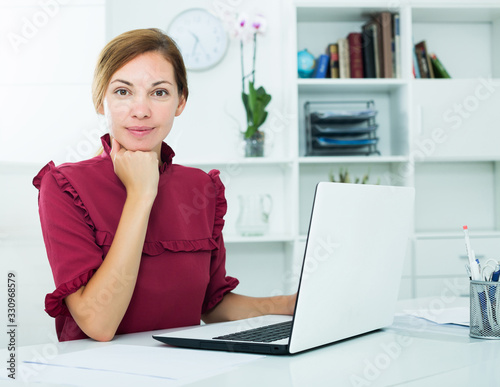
<point x="69" y="236"/>
<point x="220" y="202"/>
<point x="219" y="284"/>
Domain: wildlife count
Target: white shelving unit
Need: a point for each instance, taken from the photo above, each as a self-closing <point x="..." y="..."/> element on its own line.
<point x="456" y="130"/>
<point x="441" y="136"/>
<point x="453" y="164"/>
<point x="315" y="26"/>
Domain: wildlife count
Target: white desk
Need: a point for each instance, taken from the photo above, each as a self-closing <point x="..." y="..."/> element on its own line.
<point x="412" y="352"/>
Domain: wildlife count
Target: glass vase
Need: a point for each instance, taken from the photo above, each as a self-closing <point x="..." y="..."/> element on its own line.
<point x="254" y="146"/>
<point x="253" y="219"/>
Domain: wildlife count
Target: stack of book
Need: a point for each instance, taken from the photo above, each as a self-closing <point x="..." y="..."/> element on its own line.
<point x="427" y="64"/>
<point x="340" y="128"/>
<point x="373" y="52"/>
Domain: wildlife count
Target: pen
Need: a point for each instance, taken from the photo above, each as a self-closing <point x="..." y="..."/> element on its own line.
<point x="470" y="254"/>
<point x="492" y="290"/>
<point x="479" y="271"/>
<point x="475" y="268"/>
<point x="496" y="274"/>
<point x="486" y="312"/>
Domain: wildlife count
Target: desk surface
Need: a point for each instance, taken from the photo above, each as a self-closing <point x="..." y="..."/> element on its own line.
<point x="411" y="352"/>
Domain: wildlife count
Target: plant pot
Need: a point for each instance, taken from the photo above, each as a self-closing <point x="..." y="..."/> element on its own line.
<point x="254" y="146"/>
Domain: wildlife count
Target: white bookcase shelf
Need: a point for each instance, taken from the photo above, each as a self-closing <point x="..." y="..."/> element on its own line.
<point x="440" y="136"/>
<point x="464" y="36"/>
<point x="310" y="85"/>
<point x="251" y="161"/>
<point x="352" y="159"/>
<point x="237" y="239"/>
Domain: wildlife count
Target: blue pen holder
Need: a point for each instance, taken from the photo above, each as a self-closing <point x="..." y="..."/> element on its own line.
<point x="485" y="309"/>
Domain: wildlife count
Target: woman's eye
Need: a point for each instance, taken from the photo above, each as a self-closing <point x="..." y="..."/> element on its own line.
<point x="160" y="93"/>
<point x="121" y="92"/>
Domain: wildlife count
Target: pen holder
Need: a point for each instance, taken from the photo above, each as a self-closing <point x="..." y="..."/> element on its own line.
<point x="485" y="310"/>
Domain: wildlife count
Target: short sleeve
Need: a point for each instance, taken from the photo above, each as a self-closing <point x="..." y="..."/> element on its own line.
<point x="219" y="284"/>
<point x="69" y="237"/>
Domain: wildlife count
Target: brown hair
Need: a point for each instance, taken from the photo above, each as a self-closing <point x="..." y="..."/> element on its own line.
<point x="125" y="47"/>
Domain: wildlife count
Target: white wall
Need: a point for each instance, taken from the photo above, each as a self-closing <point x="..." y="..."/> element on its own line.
<point x="48" y="48"/>
<point x="51" y="50"/>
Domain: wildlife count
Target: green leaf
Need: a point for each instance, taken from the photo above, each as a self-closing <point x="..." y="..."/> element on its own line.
<point x="263" y="96"/>
<point x="246" y="103"/>
<point x="251" y="130"/>
<point x="252" y="97"/>
<point x="255" y="103"/>
<point x="261" y="119"/>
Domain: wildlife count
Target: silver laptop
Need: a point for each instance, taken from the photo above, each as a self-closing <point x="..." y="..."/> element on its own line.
<point x="349" y="283"/>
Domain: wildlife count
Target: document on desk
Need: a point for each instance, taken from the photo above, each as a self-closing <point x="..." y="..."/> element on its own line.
<point x="453" y="315"/>
<point x="173" y="364"/>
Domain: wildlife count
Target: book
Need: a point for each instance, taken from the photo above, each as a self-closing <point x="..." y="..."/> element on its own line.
<point x="355" y="54"/>
<point x="437" y="66"/>
<point x="322" y="64"/>
<point x="396" y="46"/>
<point x="377" y="45"/>
<point x="333" y="52"/>
<point x="416" y="67"/>
<point x="369" y="57"/>
<point x="384" y="23"/>
<point x="344" y="66"/>
<point x="376" y="50"/>
<point x="422" y="64"/>
<point x="424" y="58"/>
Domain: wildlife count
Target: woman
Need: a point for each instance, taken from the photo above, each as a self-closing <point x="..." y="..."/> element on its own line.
<point x="135" y="242"/>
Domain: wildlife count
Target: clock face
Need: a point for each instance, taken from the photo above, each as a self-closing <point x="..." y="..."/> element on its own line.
<point x="201" y="38"/>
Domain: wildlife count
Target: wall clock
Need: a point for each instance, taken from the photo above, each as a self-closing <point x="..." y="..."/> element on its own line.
<point x="201" y="37"/>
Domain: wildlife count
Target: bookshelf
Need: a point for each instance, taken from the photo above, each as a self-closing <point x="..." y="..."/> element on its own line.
<point x="440" y="136"/>
<point x="464" y="167"/>
<point x="457" y="177"/>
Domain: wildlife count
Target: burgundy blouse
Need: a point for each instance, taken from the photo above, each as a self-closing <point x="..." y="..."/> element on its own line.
<point x="182" y="272"/>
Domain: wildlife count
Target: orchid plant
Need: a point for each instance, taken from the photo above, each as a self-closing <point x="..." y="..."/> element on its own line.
<point x="246" y="28"/>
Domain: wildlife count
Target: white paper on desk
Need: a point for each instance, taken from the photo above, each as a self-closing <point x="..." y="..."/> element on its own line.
<point x="160" y="362"/>
<point x="456" y="315"/>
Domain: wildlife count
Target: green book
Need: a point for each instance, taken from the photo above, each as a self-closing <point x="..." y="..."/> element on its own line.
<point x="439" y="70"/>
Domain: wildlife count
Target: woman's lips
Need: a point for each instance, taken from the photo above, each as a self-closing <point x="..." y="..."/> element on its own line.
<point x="140" y="131"/>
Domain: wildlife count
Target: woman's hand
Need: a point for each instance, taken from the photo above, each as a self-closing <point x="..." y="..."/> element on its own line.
<point x="290" y="303"/>
<point x="236" y="307"/>
<point x="137" y="170"/>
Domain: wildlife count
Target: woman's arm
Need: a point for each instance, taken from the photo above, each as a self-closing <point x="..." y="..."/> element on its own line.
<point x="236" y="307"/>
<point x="99" y="306"/>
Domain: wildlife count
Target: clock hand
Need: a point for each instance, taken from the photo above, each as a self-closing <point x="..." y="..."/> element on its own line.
<point x="194" y="36"/>
<point x="196" y="42"/>
<point x="194" y="47"/>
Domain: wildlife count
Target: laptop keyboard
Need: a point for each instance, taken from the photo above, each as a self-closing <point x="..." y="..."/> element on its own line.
<point x="266" y="334"/>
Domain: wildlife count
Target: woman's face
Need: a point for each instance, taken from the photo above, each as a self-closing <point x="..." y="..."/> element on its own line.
<point x="141" y="102"/>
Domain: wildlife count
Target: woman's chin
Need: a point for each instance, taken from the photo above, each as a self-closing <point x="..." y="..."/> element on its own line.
<point x="136" y="145"/>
